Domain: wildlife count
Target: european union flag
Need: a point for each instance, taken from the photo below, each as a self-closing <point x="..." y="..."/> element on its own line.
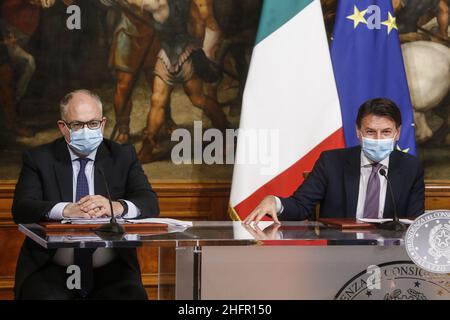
<point x="368" y="63"/>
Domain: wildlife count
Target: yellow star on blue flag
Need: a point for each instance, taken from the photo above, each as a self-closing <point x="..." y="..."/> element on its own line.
<point x="357" y="17"/>
<point x="368" y="64"/>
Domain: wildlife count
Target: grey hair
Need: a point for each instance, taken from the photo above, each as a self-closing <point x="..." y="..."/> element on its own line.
<point x="68" y="97"/>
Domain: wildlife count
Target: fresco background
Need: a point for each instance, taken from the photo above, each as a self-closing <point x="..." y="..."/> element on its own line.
<point x="41" y="60"/>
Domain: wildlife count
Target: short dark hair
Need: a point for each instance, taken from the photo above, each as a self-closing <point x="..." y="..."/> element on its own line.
<point x="381" y="107"/>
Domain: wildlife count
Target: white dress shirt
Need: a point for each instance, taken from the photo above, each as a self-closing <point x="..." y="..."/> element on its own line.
<point x="102" y="256"/>
<point x="366" y="170"/>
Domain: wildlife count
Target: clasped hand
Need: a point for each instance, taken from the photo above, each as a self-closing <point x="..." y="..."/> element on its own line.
<point x="91" y="207"/>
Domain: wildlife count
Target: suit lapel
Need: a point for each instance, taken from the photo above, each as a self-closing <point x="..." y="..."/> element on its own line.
<point x="104" y="162"/>
<point x="395" y="177"/>
<point x="63" y="170"/>
<point x="352" y="172"/>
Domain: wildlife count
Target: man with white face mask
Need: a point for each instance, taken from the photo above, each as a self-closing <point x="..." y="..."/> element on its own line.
<point x="65" y="179"/>
<point x="347" y="182"/>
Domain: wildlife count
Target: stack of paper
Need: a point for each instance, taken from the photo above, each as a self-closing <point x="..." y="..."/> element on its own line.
<point x="405" y="221"/>
<point x="170" y="222"/>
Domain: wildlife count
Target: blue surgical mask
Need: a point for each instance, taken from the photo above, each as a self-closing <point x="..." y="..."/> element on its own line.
<point x="85" y="140"/>
<point x="377" y="150"/>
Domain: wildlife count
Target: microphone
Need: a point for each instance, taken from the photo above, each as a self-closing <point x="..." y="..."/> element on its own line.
<point x="395" y="224"/>
<point x="112" y="227"/>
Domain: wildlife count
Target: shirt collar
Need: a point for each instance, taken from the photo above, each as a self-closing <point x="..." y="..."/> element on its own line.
<point x="365" y="162"/>
<point x="74" y="156"/>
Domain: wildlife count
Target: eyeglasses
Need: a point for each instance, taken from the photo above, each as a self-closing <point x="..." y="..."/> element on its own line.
<point x="78" y="125"/>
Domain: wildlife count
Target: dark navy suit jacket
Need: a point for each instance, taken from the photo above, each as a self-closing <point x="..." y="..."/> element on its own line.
<point x="334" y="183"/>
<point x="46" y="179"/>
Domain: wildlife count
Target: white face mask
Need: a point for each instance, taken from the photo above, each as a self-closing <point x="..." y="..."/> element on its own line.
<point x="85" y="140"/>
<point x="377" y="149"/>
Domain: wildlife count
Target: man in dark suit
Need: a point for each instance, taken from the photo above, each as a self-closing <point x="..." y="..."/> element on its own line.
<point x="64" y="179"/>
<point x="348" y="183"/>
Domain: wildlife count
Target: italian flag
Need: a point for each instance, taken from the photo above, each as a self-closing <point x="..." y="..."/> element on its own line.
<point x="291" y="97"/>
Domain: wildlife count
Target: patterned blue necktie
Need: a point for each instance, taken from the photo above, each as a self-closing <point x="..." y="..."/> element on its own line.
<point x="82" y="183"/>
<point x="83" y="257"/>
